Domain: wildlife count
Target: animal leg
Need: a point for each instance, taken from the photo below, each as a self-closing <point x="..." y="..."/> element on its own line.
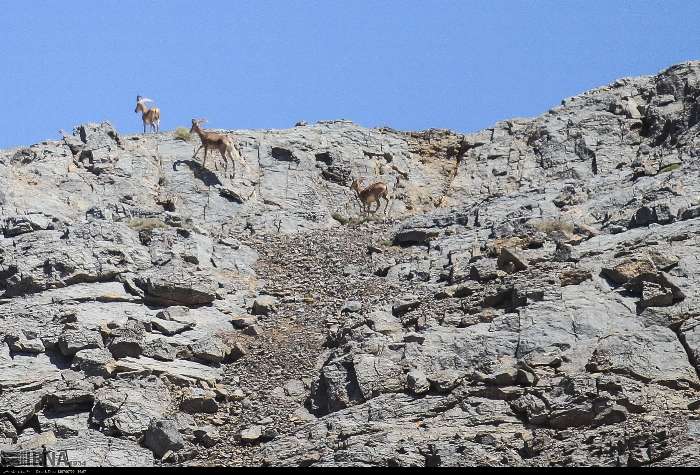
<point x="359" y="202"/>
<point x="223" y="152"/>
<point x="197" y="151"/>
<point x="204" y="163"/>
<point x="369" y="206"/>
<point x="239" y="155"/>
<point x="144" y="126"/>
<point x="233" y="163"/>
<point x="386" y="207"/>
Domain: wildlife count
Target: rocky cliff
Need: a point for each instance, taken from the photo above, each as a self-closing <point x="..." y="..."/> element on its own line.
<point x="529" y="298"/>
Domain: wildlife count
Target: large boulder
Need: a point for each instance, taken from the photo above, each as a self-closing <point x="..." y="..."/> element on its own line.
<point x="163" y="436"/>
<point x="178" y="287"/>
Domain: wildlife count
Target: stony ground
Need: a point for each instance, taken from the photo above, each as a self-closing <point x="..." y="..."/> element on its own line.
<point x="313" y="275"/>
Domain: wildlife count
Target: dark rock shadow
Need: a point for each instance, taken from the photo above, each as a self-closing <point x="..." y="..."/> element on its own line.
<point x="59" y="360"/>
<point x="205" y="176"/>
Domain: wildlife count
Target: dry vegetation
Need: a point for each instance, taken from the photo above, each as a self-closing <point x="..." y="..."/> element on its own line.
<point x="146" y="224"/>
<point x="549" y="226"/>
<point x="181" y="133"/>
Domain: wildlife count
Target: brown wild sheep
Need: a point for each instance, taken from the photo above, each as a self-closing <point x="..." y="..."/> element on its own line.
<point x="371" y="194"/>
<point x="149" y="116"/>
<point x="223" y="143"/>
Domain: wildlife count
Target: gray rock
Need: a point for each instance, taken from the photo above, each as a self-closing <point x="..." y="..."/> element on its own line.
<point x="162" y="436"/>
<point x="243" y="321"/>
<point x="295" y="389"/>
<point x="405" y="304"/>
<point x="7" y="430"/>
<point x="126" y="407"/>
<point x="212" y="350"/>
<point x="73" y="340"/>
<point x="180" y="371"/>
<point x="29" y="439"/>
<point x="21" y="344"/>
<point x="510" y="261"/>
<point x="93" y="362"/>
<point x="16" y="225"/>
<point x="691" y="213"/>
<point x="208" y="436"/>
<point x="185" y="422"/>
<point x="628" y="269"/>
<point x="690" y="333"/>
<point x="24" y="383"/>
<point x="177" y="313"/>
<point x="532" y="408"/>
<point x="253" y="330"/>
<point x="63" y="424"/>
<point x="377" y="375"/>
<point x="127" y="340"/>
<point x="197" y="400"/>
<point x="417" y="382"/>
<point x="626" y="354"/>
<point x="611" y="415"/>
<point x="334" y="389"/>
<point x="178" y="287"/>
<point x="351" y="306"/>
<point x="445" y="380"/>
<point x="654" y="295"/>
<point x="160" y="349"/>
<point x="574" y="277"/>
<point x="251" y="435"/>
<point x="420" y="230"/>
<point x="264" y="305"/>
<point x="169" y="327"/>
<point x="483" y="270"/>
<point x="384" y="322"/>
<point x="93" y="449"/>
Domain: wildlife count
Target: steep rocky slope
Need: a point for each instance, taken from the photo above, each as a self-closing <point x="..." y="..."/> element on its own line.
<point x="529" y="298"/>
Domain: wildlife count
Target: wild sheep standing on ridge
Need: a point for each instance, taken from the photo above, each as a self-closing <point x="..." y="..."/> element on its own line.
<point x="221" y="142"/>
<point x="149" y="116"/>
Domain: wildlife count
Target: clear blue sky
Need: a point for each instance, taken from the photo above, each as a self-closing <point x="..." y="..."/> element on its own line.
<point x="408" y="64"/>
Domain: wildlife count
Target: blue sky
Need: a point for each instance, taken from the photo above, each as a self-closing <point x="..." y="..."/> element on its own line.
<point x="408" y="64"/>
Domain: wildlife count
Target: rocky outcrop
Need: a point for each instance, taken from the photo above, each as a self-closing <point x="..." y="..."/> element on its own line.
<point x="531" y="298"/>
<point x="567" y="249"/>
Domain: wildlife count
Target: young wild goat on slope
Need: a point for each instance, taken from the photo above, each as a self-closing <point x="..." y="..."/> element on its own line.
<point x="221" y="142"/>
<point x="371" y="194"/>
<point x="149" y="116"/>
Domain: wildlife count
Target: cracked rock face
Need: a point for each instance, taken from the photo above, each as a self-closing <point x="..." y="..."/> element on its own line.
<point x="531" y="298"/>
